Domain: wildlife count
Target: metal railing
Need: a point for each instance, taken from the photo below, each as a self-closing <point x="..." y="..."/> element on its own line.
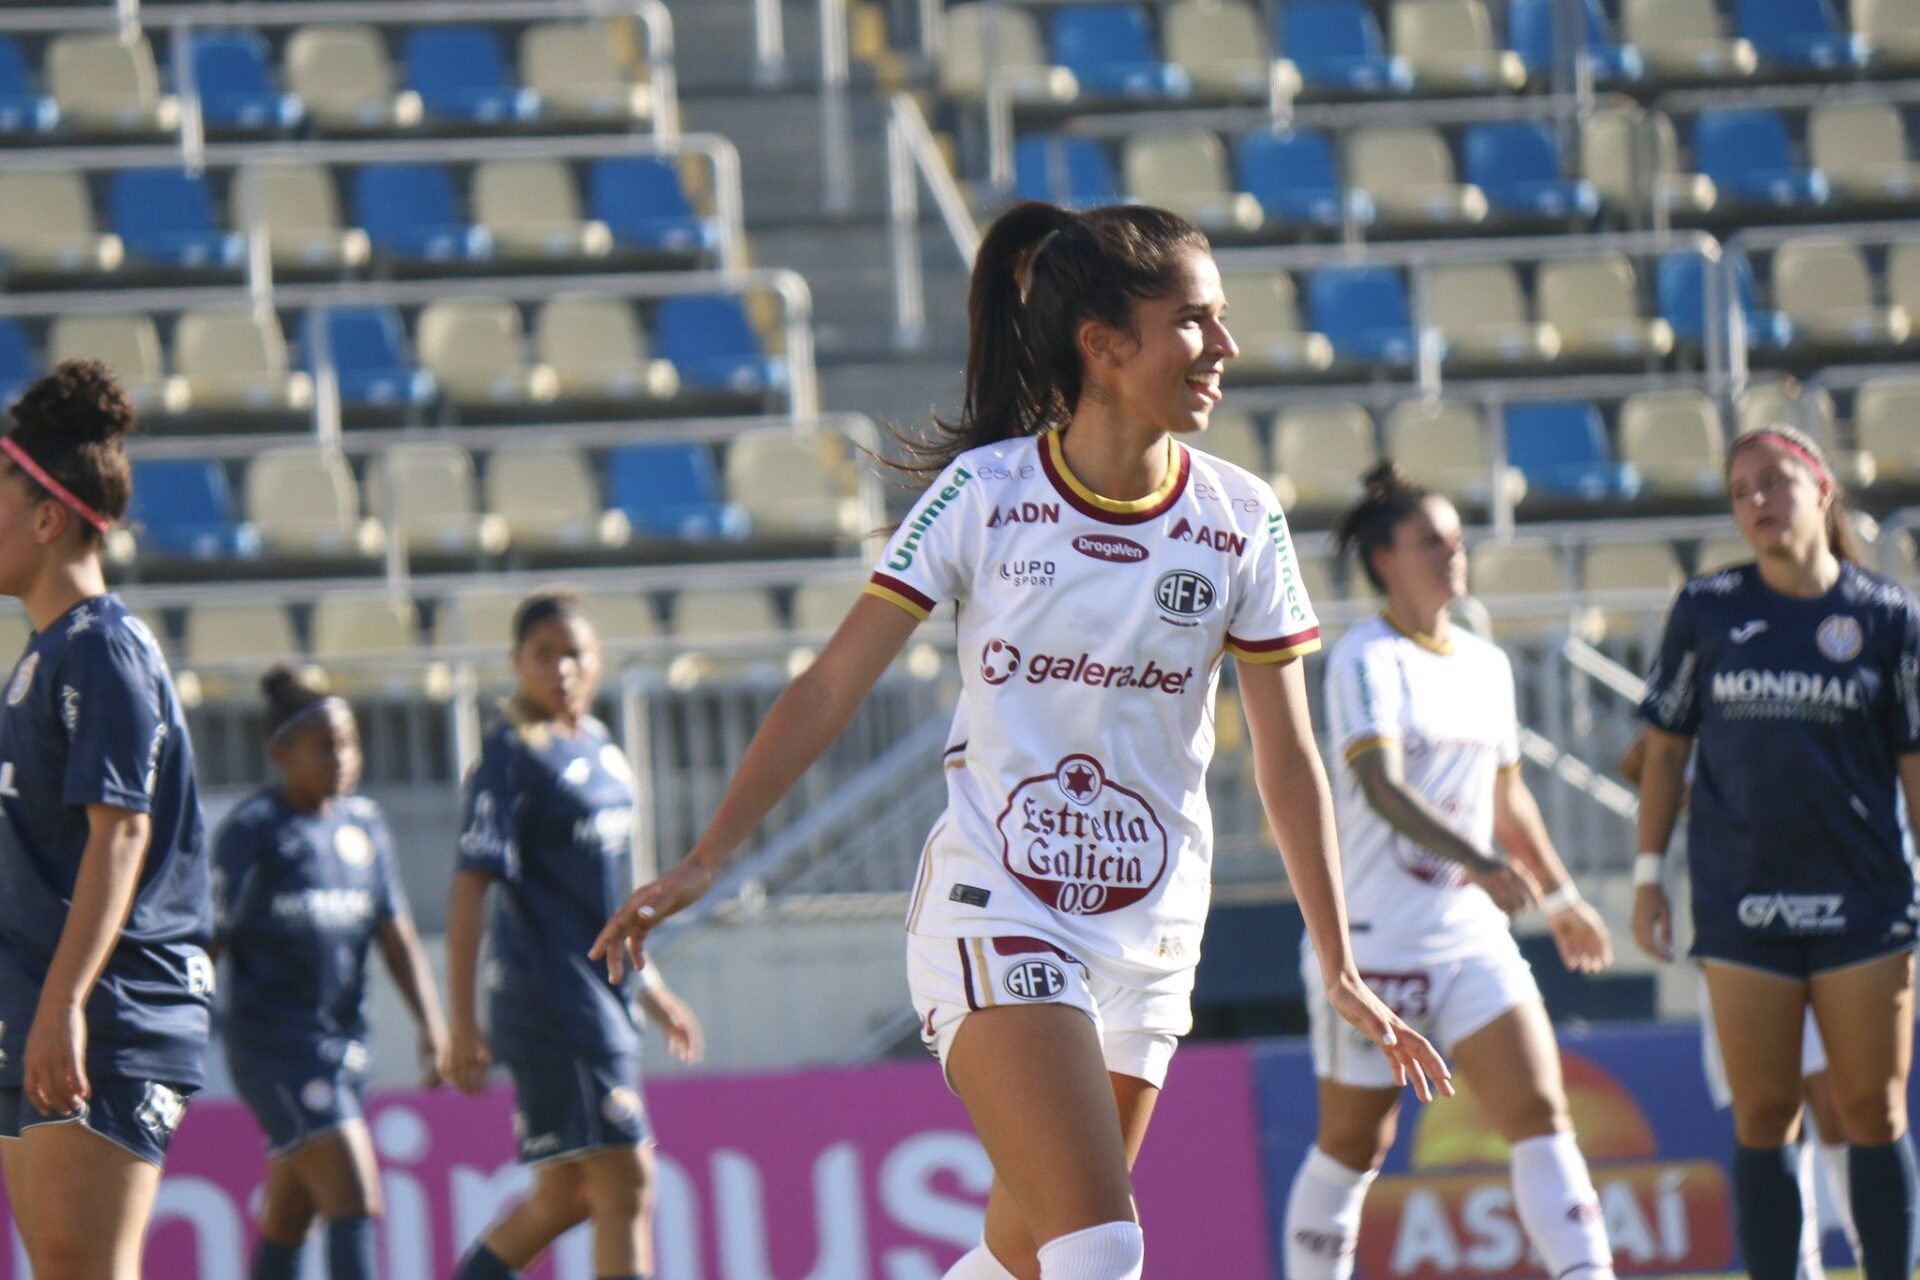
<point x="912" y="157"/>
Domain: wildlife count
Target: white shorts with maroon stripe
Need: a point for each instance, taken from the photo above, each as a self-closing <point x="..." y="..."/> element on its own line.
<point x="1139" y="1027"/>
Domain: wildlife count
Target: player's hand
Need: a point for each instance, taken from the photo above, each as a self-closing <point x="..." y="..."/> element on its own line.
<point x="433" y="1049"/>
<point x="1581" y="935"/>
<point x="1414" y="1061"/>
<point x="53" y="1065"/>
<point x="468" y="1059"/>
<point x="685" y="1040"/>
<point x="624" y="938"/>
<point x="1653" y="922"/>
<point x="1510" y="885"/>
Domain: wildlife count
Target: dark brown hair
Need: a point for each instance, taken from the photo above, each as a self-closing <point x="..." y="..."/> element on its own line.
<point x="544" y="606"/>
<point x="1841" y="539"/>
<point x="1369" y="524"/>
<point x="70" y="423"/>
<point x="290" y="692"/>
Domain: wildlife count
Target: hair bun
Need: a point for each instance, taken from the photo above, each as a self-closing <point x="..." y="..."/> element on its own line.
<point x="286" y="683"/>
<point x="80" y="401"/>
<point x="1383" y="480"/>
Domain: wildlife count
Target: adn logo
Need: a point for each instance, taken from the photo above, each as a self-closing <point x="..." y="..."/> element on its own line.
<point x="1035" y="980"/>
<point x="1800" y="912"/>
<point x="1183" y="592"/>
<point x="1203" y="536"/>
<point x="1110" y="547"/>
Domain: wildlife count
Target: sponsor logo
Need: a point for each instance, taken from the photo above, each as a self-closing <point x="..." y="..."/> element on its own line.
<point x="994" y="471"/>
<point x="154" y="749"/>
<point x="1110" y="547"/>
<point x="70" y="708"/>
<point x="1840" y="638"/>
<point x="1324" y="1244"/>
<point x="1184" y="593"/>
<point x="1081" y="843"/>
<point x="1171" y="948"/>
<point x="1787" y="695"/>
<point x="82" y="622"/>
<point x="1035" y="980"/>
<point x="160" y="1109"/>
<point x="1024" y="513"/>
<point x="351" y="846"/>
<point x="1800" y="912"/>
<point x="1408" y="994"/>
<point x="998" y="661"/>
<point x="482" y="838"/>
<point x="317" y="1095"/>
<point x="969" y="895"/>
<point x="200" y="974"/>
<point x="577" y="772"/>
<point x="1029" y="573"/>
<point x="22" y="679"/>
<point x="1747" y="631"/>
<point x="7" y="789"/>
<point x="610" y="828"/>
<point x="621" y="1105"/>
<point x="325" y="908"/>
<point x="924" y="519"/>
<point x="1206" y="536"/>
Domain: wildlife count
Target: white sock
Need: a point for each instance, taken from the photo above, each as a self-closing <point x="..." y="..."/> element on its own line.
<point x="1559" y="1208"/>
<point x="1805" y="1171"/>
<point x="1323" y="1217"/>
<point x="980" y="1264"/>
<point x="1110" y="1251"/>
<point x="1833" y="1159"/>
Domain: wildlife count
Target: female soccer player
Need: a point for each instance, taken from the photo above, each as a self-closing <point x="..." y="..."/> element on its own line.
<point x="104" y="917"/>
<point x="304" y="884"/>
<point x="1798" y="675"/>
<point x="1426" y="782"/>
<point x="549" y="819"/>
<point x="1104" y="570"/>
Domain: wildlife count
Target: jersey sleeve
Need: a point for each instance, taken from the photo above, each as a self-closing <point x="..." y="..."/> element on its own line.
<point x="236" y="877"/>
<point x="925" y="563"/>
<point x="1903" y="728"/>
<point x="489" y="842"/>
<point x="112" y="715"/>
<point x="1364" y="702"/>
<point x="1272" y="619"/>
<point x="1672" y="698"/>
<point x="1509" y="749"/>
<point x="391" y="894"/>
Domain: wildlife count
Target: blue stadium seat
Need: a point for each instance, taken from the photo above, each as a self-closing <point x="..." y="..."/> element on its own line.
<point x="1109" y="49"/>
<point x="1746" y="153"/>
<point x="1530" y="33"/>
<point x="1294" y="178"/>
<point x="461" y="76"/>
<point x="673" y="491"/>
<point x="1337" y="45"/>
<point x="713" y="347"/>
<point x="1561" y="448"/>
<point x="1681" y="284"/>
<point x="183" y="507"/>
<point x="1363" y="311"/>
<point x="165" y="216"/>
<point x="1800" y="34"/>
<point x="408" y="212"/>
<point x="21" y="109"/>
<point x="17" y="368"/>
<point x="640" y="198"/>
<point x="368" y="346"/>
<point x="236" y="89"/>
<point x="1517" y="163"/>
<point x="1069" y="171"/>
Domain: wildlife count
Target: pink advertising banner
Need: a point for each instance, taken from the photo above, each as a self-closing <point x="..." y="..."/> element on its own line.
<point x="858" y="1174"/>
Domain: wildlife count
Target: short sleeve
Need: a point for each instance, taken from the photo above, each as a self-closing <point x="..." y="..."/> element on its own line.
<point x="1903" y="729"/>
<point x="1365" y="704"/>
<point x="110" y="707"/>
<point x="488" y="812"/>
<point x="1272" y="619"/>
<point x="391" y="894"/>
<point x="1509" y="749"/>
<point x="236" y="875"/>
<point x="924" y="565"/>
<point x="1672" y="698"/>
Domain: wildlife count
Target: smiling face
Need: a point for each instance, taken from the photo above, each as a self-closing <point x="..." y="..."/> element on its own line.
<point x="1425" y="569"/>
<point x="559" y="667"/>
<point x="320" y="760"/>
<point x="1778" y="501"/>
<point x="1165" y="374"/>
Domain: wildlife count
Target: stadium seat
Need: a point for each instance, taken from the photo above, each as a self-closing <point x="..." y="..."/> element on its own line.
<point x="1682" y="289"/>
<point x="1722" y="553"/>
<point x="1265" y="321"/>
<point x="1810" y="408"/>
<point x="17" y="367"/>
<point x="460" y="74"/>
<point x="479" y="621"/>
<point x="1232" y="436"/>
<point x="1799" y="35"/>
<point x="1070" y="171"/>
<point x="1892" y="30"/>
<point x="531" y="208"/>
<point x="572" y="66"/>
<point x="301" y="209"/>
<point x="720" y="613"/>
<point x="797" y="484"/>
<point x="710" y="342"/>
<point x="1517" y="164"/>
<point x="1746" y="153"/>
<point x="1481" y="313"/>
<point x="1595" y="304"/>
<point x="1903" y="274"/>
<point x="599" y="351"/>
<point x="1363" y="311"/>
<point x="476" y="350"/>
<point x="105" y="84"/>
<point x="976" y="37"/>
<point x="49" y="226"/>
<point x="1442" y="443"/>
<point x="672" y="490"/>
<point x="347" y="81"/>
<point x="165" y="217"/>
<point x="410" y="214"/>
<point x="1186" y="170"/>
<point x="642" y="201"/>
<point x="371" y="367"/>
<point x="1450" y="46"/>
<point x="1408" y="174"/>
<point x="183" y="507"/>
<point x="236" y="89"/>
<point x="1561" y="447"/>
<point x="234" y="359"/>
<point x="1685" y="40"/>
<point x="425" y="495"/>
<point x="550" y="501"/>
<point x="1608" y="147"/>
<point x="1674" y="443"/>
<point x="1524" y="584"/>
<point x="820" y="605"/>
<point x="1338" y="47"/>
<point x="368" y="640"/>
<point x="1293" y="177"/>
<point x="23" y="109"/>
<point x="228" y="642"/>
<point x="1886" y="424"/>
<point x="1109" y="49"/>
<point x="1825" y="290"/>
<point x="304" y="502"/>
<point x="127" y="344"/>
<point x="1322" y="450"/>
<point x="1862" y="147"/>
<point x="1530" y="32"/>
<point x="1224" y="49"/>
<point x="1644" y="568"/>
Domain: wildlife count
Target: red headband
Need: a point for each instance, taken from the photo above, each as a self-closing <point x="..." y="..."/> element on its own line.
<point x="1797" y="449"/>
<point x="60" y="492"/>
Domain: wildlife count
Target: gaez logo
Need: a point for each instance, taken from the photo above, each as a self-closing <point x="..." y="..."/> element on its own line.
<point x="1035" y="980"/>
<point x="1183" y="592"/>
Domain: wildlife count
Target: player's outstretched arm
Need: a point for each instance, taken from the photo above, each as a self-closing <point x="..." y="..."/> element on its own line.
<point x="803" y="722"/>
<point x="1299" y="805"/>
<point x="1663" y="780"/>
<point x="406" y="960"/>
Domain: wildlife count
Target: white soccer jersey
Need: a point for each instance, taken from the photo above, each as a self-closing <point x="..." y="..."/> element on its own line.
<point x="1091" y="634"/>
<point x="1452" y="712"/>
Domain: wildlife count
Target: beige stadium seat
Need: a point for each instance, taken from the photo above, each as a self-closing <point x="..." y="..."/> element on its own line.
<point x="476" y="349"/>
<point x="1675" y="440"/>
<point x="712" y="613"/>
<point x="228" y="643"/>
<point x="432" y="506"/>
<point x="1223" y="45"/>
<point x="1524" y="585"/>
<point x="346" y="79"/>
<point x="1187" y="171"/>
<point x="1481" y="312"/>
<point x="478" y="623"/>
<point x="1903" y="275"/>
<point x="1231" y="436"/>
<point x="573" y="67"/>
<point x="1809" y="408"/>
<point x="368" y="640"/>
<point x="49" y="226"/>
<point x="1608" y="150"/>
<point x="1886" y="424"/>
<point x="127" y="344"/>
<point x="1316" y="575"/>
<point x="301" y="208"/>
<point x="1595" y="304"/>
<point x="1322" y="450"/>
<point x="976" y="37"/>
<point x="820" y="605"/>
<point x="532" y="207"/>
<point x="15" y="631"/>
<point x="1450" y="46"/>
<point x="1826" y="290"/>
<point x="1892" y="28"/>
<point x="1862" y="146"/>
<point x="306" y="505"/>
<point x="598" y="350"/>
<point x="1409" y="173"/>
<point x="1264" y="318"/>
<point x="796" y="485"/>
<point x="1685" y="40"/>
<point x="549" y="499"/>
<point x="1719" y="553"/>
<point x="1442" y="444"/>
<point x="235" y="360"/>
<point x="106" y="82"/>
<point x="1649" y="569"/>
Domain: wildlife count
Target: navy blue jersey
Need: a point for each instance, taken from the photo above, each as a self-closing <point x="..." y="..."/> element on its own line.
<point x="1800" y="709"/>
<point x="90" y="717"/>
<point x="552" y="817"/>
<point x="298" y="898"/>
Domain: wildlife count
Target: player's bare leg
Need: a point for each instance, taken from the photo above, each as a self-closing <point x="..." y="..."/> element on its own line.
<point x="557" y="1205"/>
<point x="618" y="1185"/>
<point x="53" y="1167"/>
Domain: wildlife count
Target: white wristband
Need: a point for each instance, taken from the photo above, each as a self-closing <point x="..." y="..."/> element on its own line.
<point x="1646" y="869"/>
<point x="1565" y="898"/>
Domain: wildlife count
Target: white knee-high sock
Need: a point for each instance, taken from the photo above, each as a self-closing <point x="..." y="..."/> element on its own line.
<point x="979" y="1264"/>
<point x="1110" y="1251"/>
<point x="1557" y="1205"/>
<point x="1833" y="1159"/>
<point x="1323" y="1217"/>
<point x="1806" y="1170"/>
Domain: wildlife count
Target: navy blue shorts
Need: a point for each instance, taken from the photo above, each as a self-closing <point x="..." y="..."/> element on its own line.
<point x="1799" y="956"/>
<point x="566" y="1107"/>
<point x="300" y="1093"/>
<point x="139" y="1115"/>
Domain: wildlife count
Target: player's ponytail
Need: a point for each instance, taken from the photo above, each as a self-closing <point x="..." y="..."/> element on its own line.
<point x="1369" y="524"/>
<point x="1842" y="540"/>
<point x="64" y="440"/>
